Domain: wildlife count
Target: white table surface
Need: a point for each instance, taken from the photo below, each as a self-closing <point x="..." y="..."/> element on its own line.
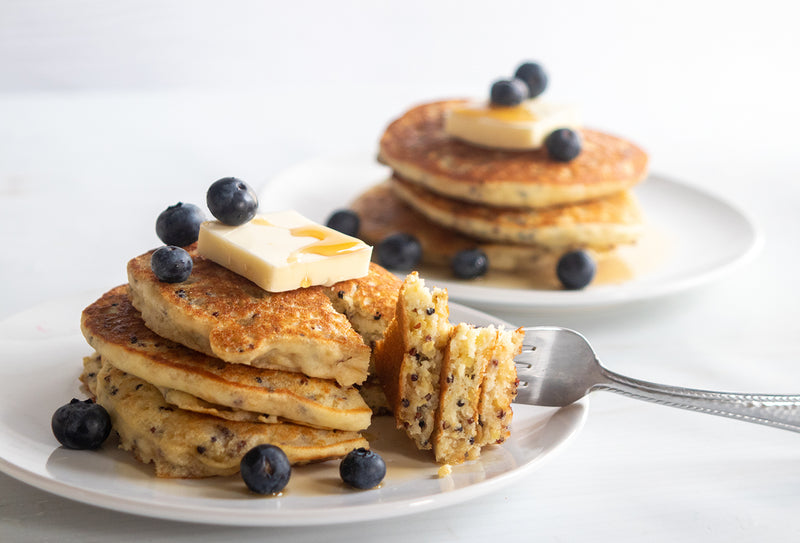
<point x="94" y="140"/>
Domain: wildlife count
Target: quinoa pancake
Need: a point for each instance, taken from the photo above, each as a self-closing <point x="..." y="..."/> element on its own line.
<point x="184" y="444"/>
<point x="383" y="213"/>
<point x="222" y="314"/>
<point x="599" y="224"/>
<point x="116" y="330"/>
<point x="417" y="147"/>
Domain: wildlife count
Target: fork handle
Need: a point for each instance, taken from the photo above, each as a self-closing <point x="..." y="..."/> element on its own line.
<point x="780" y="411"/>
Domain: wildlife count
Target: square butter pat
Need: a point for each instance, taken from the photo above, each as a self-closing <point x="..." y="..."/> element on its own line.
<point x="284" y="251"/>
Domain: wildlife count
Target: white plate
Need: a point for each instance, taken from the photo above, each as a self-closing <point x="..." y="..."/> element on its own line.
<point x="691" y="237"/>
<point x="42" y="350"/>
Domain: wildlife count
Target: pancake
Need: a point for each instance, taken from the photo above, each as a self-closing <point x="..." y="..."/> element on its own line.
<point x="418" y="149"/>
<point x="449" y="386"/>
<point x="383" y="213"/>
<point x="184" y="444"/>
<point x="116" y="330"/>
<point x="599" y="224"/>
<point x="408" y="360"/>
<point x="499" y="388"/>
<point x="468" y="352"/>
<point x="222" y="314"/>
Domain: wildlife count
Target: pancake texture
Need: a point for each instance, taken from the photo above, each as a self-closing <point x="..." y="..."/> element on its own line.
<point x="417" y="148"/>
<point x="449" y="386"/>
<point x="116" y="330"/>
<point x="224" y="315"/>
<point x="184" y="444"/>
<point x="599" y="224"/>
<point x="408" y="360"/>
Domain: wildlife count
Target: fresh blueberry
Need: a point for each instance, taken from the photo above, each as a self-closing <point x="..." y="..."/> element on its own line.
<point x="171" y="264"/>
<point x="469" y="264"/>
<point x="508" y="92"/>
<point x="563" y="144"/>
<point x="534" y="77"/>
<point x="362" y="468"/>
<point x="232" y="201"/>
<point x="179" y="224"/>
<point x="345" y="221"/>
<point x="265" y="469"/>
<point x="575" y="269"/>
<point x="81" y="424"/>
<point x="399" y="251"/>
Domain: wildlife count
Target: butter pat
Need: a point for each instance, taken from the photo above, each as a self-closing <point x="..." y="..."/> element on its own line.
<point x="284" y="251"/>
<point x="521" y="127"/>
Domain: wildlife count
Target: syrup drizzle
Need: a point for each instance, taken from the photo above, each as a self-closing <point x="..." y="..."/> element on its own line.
<point x="518" y="113"/>
<point x="327" y="244"/>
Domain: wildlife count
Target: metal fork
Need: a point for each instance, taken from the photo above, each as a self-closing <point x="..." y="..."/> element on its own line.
<point x="557" y="367"/>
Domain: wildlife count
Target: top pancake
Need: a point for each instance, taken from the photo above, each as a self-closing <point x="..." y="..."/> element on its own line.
<point x="222" y="314"/>
<point x="417" y="147"/>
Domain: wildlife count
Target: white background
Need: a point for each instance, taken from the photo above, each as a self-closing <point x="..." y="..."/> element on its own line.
<point x="109" y="111"/>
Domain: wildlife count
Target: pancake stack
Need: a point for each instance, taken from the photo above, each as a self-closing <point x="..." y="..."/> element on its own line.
<point x="195" y="374"/>
<point x="522" y="208"/>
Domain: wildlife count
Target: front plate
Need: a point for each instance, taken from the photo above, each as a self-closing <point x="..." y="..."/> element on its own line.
<point x="42" y="351"/>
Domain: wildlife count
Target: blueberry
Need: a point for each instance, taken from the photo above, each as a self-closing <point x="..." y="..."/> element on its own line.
<point x="232" y="201"/>
<point x="362" y="468"/>
<point x="469" y="264"/>
<point x="81" y="424"/>
<point x="534" y="77"/>
<point x="575" y="269"/>
<point x="265" y="469"/>
<point x="179" y="224"/>
<point x="563" y="144"/>
<point x="345" y="221"/>
<point x="508" y="92"/>
<point x="399" y="251"/>
<point x="171" y="264"/>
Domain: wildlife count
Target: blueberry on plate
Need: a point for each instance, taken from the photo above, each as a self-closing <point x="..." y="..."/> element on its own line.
<point x="576" y="269"/>
<point x="171" y="264"/>
<point x="399" y="251"/>
<point x="563" y="144"/>
<point x="534" y="77"/>
<point x="362" y="468"/>
<point x="345" y="221"/>
<point x="508" y="92"/>
<point x="81" y="424"/>
<point x="265" y="469"/>
<point x="469" y="264"/>
<point x="179" y="224"/>
<point x="231" y="201"/>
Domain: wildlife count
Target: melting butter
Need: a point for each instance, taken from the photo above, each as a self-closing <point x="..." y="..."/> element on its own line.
<point x="283" y="251"/>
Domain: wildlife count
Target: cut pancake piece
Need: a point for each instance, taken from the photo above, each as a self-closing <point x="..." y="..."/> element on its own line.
<point x="222" y="314"/>
<point x="467" y="390"/>
<point x="499" y="388"/>
<point x="184" y="444"/>
<point x="599" y="224"/>
<point x="463" y="367"/>
<point x="116" y="330"/>
<point x="383" y="213"/>
<point x="408" y="359"/>
<point x="417" y="147"/>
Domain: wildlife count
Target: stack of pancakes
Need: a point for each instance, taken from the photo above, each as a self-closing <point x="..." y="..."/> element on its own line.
<point x="195" y="374"/>
<point x="522" y="208"/>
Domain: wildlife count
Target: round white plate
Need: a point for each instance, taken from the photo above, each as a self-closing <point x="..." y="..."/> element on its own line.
<point x="42" y="351"/>
<point x="692" y="237"/>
